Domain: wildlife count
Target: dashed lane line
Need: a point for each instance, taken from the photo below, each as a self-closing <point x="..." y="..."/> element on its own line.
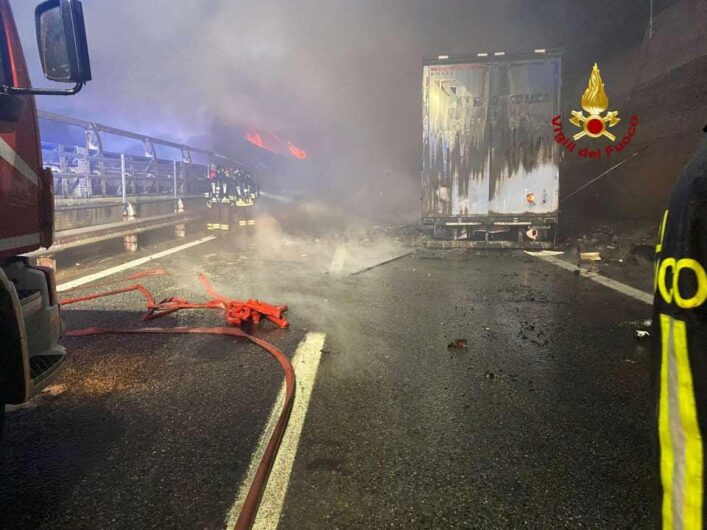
<point x="337" y="262"/>
<point x="622" y="288"/>
<point x="306" y="364"/>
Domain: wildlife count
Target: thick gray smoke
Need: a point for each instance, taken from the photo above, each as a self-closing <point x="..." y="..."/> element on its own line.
<point x="340" y="78"/>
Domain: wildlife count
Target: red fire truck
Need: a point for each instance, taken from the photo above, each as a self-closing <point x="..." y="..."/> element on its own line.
<point x="30" y="327"/>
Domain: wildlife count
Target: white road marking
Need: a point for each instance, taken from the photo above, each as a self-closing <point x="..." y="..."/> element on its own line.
<point x="129" y="265"/>
<point x="337" y="262"/>
<point x="306" y="363"/>
<point x="634" y="293"/>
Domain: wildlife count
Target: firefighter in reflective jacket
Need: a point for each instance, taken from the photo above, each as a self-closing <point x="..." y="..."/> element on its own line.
<point x="247" y="194"/>
<point x="213" y="200"/>
<point x="680" y="347"/>
<point x="219" y="200"/>
<point x="227" y="198"/>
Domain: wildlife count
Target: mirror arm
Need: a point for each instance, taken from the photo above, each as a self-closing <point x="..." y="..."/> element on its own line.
<point x="11" y="90"/>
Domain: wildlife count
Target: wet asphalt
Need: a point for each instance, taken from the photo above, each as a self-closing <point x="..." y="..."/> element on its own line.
<point x="544" y="421"/>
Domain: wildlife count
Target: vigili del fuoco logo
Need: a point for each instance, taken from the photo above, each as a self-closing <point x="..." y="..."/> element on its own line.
<point x="595" y="124"/>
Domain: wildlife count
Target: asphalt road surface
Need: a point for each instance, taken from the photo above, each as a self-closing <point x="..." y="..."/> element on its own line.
<point x="543" y="421"/>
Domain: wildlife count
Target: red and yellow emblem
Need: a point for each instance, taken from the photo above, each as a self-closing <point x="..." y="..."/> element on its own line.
<point x="594" y="102"/>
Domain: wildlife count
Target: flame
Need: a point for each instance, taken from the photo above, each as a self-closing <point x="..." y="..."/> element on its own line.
<point x="273" y="143"/>
<point x="296" y="151"/>
<point x="255" y="139"/>
<point x="594" y="99"/>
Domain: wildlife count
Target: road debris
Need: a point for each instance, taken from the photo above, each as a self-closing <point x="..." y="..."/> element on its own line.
<point x="589" y="256"/>
<point x="458" y="344"/>
<point x="54" y="390"/>
<point x="642" y="331"/>
<point x="544" y="252"/>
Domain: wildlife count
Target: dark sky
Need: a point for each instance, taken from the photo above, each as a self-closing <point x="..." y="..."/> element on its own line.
<point x="341" y="78"/>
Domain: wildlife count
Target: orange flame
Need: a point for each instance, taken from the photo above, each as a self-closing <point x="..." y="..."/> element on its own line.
<point x="296" y="151"/>
<point x="255" y="139"/>
<point x="274" y="144"/>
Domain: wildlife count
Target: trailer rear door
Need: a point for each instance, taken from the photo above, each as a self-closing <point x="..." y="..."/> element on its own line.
<point x="487" y="139"/>
<point x="455" y="167"/>
<point x="524" y="161"/>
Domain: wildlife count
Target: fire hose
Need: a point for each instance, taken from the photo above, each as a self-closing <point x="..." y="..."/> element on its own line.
<point x="236" y="313"/>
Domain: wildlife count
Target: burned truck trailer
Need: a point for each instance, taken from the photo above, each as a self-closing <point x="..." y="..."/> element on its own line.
<point x="490" y="165"/>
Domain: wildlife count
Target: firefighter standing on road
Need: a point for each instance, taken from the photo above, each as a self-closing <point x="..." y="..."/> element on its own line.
<point x="213" y="200"/>
<point x="227" y="190"/>
<point x="247" y="193"/>
<point x="219" y="199"/>
<point x="680" y="347"/>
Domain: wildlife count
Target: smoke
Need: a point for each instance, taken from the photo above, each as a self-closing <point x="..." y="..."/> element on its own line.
<point x="340" y="78"/>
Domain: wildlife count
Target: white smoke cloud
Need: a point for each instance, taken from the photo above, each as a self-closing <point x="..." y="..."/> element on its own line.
<point x="340" y="78"/>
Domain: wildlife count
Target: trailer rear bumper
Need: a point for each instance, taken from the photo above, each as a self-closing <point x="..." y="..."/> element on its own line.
<point x="465" y="243"/>
<point x="527" y="231"/>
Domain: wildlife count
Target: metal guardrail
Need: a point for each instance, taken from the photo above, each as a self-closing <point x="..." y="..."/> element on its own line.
<point x="81" y="176"/>
<point x="85" y="170"/>
<point x="102" y="194"/>
<point x="69" y="216"/>
<point x="78" y="237"/>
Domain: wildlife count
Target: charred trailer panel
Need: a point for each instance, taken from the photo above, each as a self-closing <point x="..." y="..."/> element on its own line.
<point x="490" y="166"/>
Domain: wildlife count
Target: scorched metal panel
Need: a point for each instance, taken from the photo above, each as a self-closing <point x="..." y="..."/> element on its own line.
<point x="455" y="165"/>
<point x="524" y="156"/>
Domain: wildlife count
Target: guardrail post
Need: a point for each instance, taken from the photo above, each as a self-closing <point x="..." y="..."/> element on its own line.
<point x="174" y="179"/>
<point x="86" y="166"/>
<point x="62" y="171"/>
<point x="130" y="242"/>
<point x="123" y="181"/>
<point x="180" y="230"/>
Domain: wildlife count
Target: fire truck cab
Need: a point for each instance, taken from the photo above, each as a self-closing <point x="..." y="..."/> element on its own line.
<point x="30" y="325"/>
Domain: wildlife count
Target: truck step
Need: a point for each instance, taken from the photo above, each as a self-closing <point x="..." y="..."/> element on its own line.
<point x="31" y="300"/>
<point x="41" y="365"/>
<point x="27" y="295"/>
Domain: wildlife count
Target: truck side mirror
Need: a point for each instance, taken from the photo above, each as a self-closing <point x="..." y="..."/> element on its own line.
<point x="61" y="39"/>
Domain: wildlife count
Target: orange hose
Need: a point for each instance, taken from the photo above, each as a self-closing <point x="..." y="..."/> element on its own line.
<point x="246" y="518"/>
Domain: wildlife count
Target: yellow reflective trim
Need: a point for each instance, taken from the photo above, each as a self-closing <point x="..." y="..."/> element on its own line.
<point x="692" y="517"/>
<point x="701" y="295"/>
<point x="661" y="232"/>
<point x="666" y="444"/>
<point x="667" y="295"/>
